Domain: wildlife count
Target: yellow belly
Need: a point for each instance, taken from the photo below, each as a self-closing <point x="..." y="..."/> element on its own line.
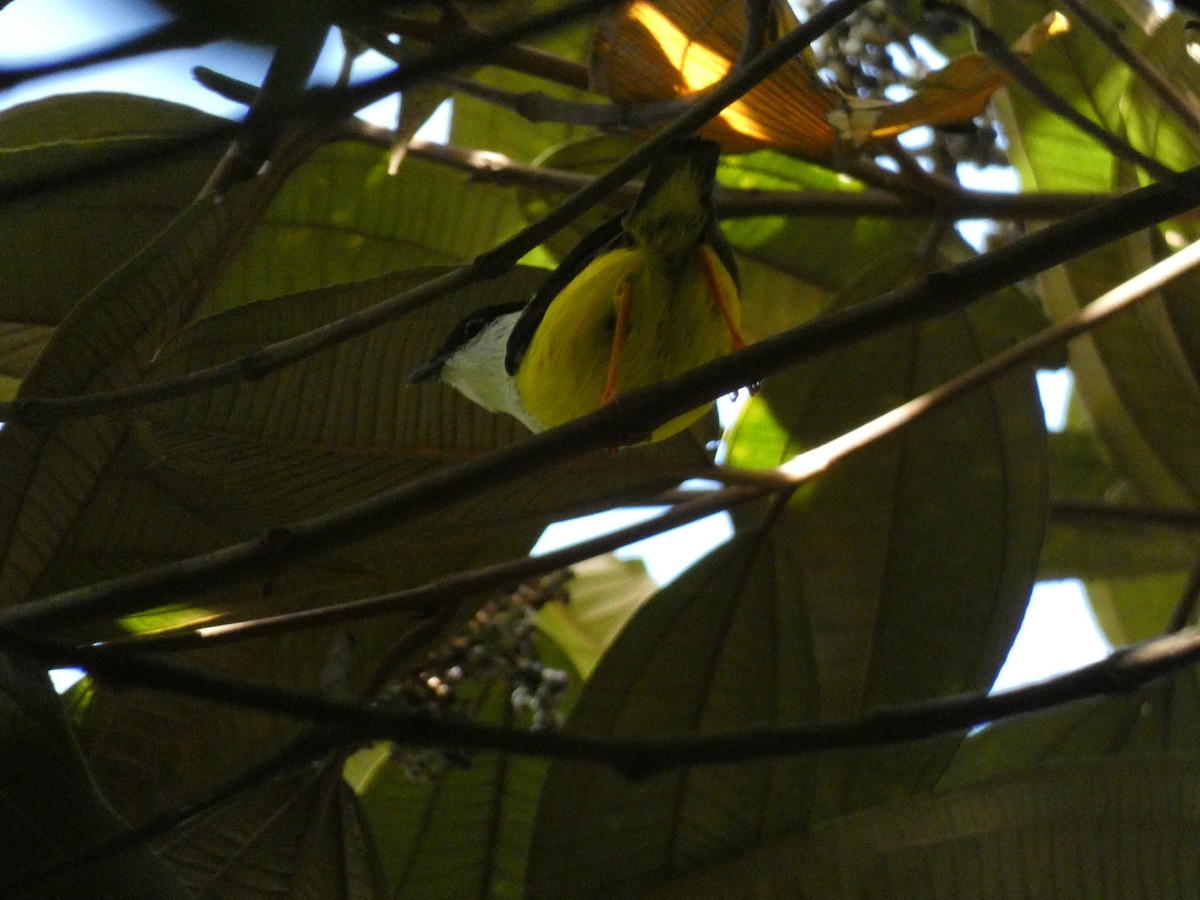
<point x="674" y="325"/>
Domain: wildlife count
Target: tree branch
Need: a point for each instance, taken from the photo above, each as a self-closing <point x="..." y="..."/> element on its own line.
<point x="1139" y="287"/>
<point x="1123" y="671"/>
<point x="1084" y="512"/>
<point x="514" y="57"/>
<point x="452" y="587"/>
<point x="323" y="106"/>
<point x="632" y="414"/>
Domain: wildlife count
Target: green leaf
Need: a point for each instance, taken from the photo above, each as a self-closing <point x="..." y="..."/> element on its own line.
<point x="1121" y="828"/>
<point x="919" y="552"/>
<point x="1136" y="609"/>
<point x="462" y="833"/>
<point x="725" y="646"/>
<point x="1144" y="403"/>
<point x="308" y="439"/>
<point x="342" y="218"/>
<point x="604" y="592"/>
<point x="20" y="345"/>
<point x="300" y="835"/>
<point x="1092" y="547"/>
<point x="51" y="474"/>
<point x="61" y="243"/>
<point x="50" y="809"/>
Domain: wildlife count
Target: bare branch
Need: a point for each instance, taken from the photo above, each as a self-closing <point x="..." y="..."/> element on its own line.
<point x="1120" y="298"/>
<point x="636" y="413"/>
<point x="1085" y="512"/>
<point x="450" y="588"/>
<point x="636" y="757"/>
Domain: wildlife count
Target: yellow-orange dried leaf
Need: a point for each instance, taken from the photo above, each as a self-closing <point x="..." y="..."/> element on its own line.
<point x="960" y="90"/>
<point x="646" y="52"/>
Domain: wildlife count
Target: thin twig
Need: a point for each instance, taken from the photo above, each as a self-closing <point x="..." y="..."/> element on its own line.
<point x="635" y="413"/>
<point x="1084" y="512"/>
<point x="1123" y="671"/>
<point x="514" y="57"/>
<point x="1183" y="105"/>
<point x="1120" y="298"/>
<point x="537" y="106"/>
<point x="452" y="587"/>
<point x="321" y="105"/>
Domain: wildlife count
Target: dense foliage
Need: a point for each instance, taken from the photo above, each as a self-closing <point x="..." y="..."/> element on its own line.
<point x="321" y="663"/>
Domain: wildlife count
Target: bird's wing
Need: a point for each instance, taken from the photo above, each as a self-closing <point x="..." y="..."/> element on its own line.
<point x="592" y="245"/>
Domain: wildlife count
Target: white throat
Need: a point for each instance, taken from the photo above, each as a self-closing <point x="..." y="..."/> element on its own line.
<point x="476" y="370"/>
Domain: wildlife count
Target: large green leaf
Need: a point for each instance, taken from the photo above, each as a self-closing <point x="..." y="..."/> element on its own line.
<point x="918" y="553"/>
<point x="604" y="593"/>
<point x="342" y="218"/>
<point x="335" y="428"/>
<point x="725" y="646"/>
<point x="300" y="835"/>
<point x="1142" y="397"/>
<point x="50" y="809"/>
<point x="1122" y="828"/>
<point x="463" y="831"/>
<point x="52" y="472"/>
<point x="61" y="243"/>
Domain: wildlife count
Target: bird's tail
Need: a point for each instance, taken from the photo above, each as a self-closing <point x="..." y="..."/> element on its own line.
<point x="674" y="209"/>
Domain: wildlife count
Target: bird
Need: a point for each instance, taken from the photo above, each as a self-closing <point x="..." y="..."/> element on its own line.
<point x="646" y="296"/>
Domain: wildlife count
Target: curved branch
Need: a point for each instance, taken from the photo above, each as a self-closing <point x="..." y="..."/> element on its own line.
<point x="636" y="757"/>
<point x="636" y="413"/>
<point x="451" y="587"/>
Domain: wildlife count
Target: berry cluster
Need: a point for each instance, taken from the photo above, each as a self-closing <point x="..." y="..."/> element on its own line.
<point x="497" y="647"/>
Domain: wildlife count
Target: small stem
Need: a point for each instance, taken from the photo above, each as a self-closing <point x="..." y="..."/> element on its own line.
<point x="1084" y="512"/>
<point x="514" y="57"/>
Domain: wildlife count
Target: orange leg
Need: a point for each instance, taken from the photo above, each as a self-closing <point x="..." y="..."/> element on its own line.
<point x="624" y="296"/>
<point x="706" y="263"/>
<point x="737" y="342"/>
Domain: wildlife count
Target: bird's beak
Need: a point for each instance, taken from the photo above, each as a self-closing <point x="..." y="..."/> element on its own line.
<point x="431" y="369"/>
